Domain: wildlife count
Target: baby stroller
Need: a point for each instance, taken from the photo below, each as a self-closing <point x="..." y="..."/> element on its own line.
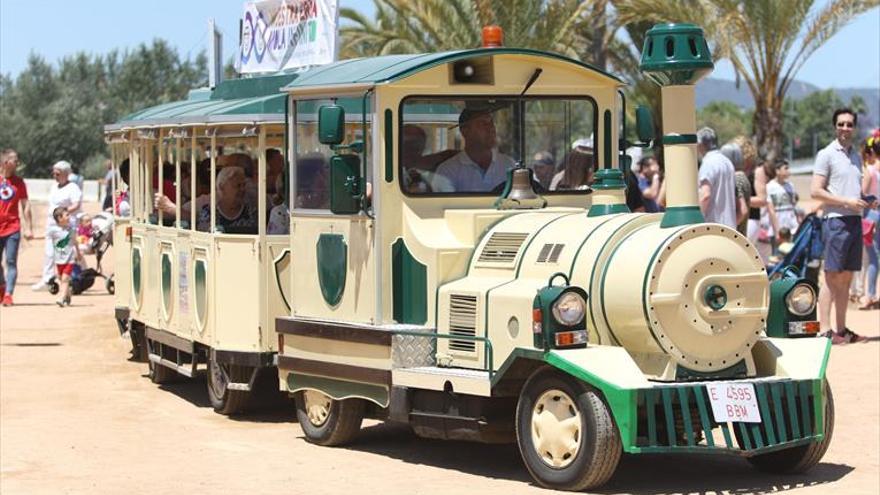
<point x="805" y="256"/>
<point x="100" y="241"/>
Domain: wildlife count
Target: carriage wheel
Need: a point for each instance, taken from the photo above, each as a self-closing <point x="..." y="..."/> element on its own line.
<point x="160" y="374"/>
<point x="565" y="433"/>
<point x="223" y="400"/>
<point x="327" y="421"/>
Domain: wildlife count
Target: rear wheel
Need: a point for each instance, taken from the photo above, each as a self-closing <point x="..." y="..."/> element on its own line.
<point x="223" y="400"/>
<point x="327" y="421"/>
<point x="565" y="433"/>
<point x="803" y="457"/>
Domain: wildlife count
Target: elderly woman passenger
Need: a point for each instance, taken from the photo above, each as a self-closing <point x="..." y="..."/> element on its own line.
<point x="234" y="214"/>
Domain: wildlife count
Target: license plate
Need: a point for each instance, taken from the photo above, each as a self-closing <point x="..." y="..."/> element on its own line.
<point x="735" y="402"/>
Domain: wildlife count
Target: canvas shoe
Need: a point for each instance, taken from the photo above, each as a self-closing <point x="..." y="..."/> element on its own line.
<point x="7" y="300"/>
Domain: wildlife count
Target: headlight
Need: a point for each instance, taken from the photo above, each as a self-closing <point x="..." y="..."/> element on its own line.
<point x="801" y="300"/>
<point x="569" y="309"/>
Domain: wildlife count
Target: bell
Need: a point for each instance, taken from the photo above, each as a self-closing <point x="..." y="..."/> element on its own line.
<point x="519" y="191"/>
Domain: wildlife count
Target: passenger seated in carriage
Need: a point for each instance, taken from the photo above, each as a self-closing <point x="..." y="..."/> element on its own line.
<point x="234" y="215"/>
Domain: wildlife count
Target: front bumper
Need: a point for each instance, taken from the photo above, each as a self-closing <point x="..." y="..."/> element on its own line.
<point x="678" y="418"/>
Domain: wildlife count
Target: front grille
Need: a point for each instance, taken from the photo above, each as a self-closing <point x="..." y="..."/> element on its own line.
<point x="679" y="417"/>
<point x="550" y="253"/>
<point x="502" y="247"/>
<point x="462" y="321"/>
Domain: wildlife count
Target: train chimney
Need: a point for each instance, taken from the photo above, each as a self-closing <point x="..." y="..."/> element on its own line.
<point x="676" y="56"/>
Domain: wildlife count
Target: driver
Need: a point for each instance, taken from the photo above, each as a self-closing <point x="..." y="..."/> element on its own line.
<point x="480" y="167"/>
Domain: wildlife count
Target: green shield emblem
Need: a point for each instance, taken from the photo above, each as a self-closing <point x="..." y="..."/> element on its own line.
<point x="332" y="256"/>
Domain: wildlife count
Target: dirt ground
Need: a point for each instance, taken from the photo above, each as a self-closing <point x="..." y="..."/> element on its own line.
<point x="77" y="417"/>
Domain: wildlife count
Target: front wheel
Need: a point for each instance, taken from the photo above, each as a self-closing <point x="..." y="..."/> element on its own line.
<point x="565" y="433"/>
<point x="327" y="421"/>
<point x="803" y="457"/>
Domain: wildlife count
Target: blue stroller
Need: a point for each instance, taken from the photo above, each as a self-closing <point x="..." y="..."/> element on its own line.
<point x="805" y="256"/>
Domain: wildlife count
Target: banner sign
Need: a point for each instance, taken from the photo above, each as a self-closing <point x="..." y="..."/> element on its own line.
<point x="287" y="34"/>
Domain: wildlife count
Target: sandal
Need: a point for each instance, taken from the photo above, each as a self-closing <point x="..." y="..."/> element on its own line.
<point x="870" y="305"/>
<point x="836" y="338"/>
<point x="853" y="337"/>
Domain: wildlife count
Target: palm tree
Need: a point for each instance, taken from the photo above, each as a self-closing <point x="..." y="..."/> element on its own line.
<point x="403" y="26"/>
<point x="767" y="41"/>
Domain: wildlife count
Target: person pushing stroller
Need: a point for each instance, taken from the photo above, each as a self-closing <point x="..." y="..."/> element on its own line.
<point x="65" y="251"/>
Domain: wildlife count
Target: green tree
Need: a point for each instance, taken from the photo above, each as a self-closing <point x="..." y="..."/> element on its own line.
<point x="728" y="120"/>
<point x="427" y="26"/>
<point x="48" y="114"/>
<point x="766" y="41"/>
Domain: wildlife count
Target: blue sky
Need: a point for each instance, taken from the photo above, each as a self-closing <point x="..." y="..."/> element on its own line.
<point x="55" y="28"/>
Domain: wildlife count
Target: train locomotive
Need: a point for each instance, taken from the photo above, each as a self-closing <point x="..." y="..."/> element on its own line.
<point x="555" y="319"/>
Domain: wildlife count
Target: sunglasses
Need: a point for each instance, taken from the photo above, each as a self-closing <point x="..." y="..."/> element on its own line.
<point x="849" y="125"/>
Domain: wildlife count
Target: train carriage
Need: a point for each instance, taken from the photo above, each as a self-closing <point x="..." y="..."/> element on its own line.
<point x="197" y="291"/>
<point x="426" y="290"/>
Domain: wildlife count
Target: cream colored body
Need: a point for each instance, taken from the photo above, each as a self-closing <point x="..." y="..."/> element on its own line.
<point x="447" y="235"/>
<point x="243" y="295"/>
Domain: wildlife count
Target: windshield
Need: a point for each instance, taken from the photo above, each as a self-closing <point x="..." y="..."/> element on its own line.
<point x="466" y="145"/>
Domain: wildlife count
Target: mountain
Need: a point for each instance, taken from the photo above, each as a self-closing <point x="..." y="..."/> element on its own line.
<point x="711" y="89"/>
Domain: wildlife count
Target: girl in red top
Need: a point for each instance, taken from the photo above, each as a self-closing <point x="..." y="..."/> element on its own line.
<point x="13" y="196"/>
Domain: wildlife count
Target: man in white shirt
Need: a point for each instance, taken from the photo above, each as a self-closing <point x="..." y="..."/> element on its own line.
<point x="479" y="167"/>
<point x="836" y="182"/>
<point x="717" y="182"/>
<point x="67" y="194"/>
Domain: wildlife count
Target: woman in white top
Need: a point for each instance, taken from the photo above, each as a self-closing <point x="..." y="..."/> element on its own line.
<point x="64" y="193"/>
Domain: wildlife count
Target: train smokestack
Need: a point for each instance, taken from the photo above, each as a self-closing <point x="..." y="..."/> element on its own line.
<point x="676" y="56"/>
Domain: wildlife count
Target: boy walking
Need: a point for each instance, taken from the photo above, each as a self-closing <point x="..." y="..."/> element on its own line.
<point x="65" y="254"/>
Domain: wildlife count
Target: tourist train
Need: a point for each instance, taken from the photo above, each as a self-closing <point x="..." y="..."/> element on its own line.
<point x="327" y="231"/>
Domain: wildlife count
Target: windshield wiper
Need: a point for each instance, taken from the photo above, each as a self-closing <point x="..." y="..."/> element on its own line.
<point x="535" y="76"/>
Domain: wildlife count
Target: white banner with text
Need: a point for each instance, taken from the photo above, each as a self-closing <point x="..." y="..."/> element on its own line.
<point x="287" y="34"/>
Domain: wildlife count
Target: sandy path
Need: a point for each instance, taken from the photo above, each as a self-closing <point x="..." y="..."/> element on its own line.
<point x="76" y="417"/>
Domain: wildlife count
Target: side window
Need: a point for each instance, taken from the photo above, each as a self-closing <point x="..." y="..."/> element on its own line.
<point x="312" y="159"/>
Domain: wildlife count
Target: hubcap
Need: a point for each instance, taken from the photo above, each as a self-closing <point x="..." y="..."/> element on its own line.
<point x="218" y="379"/>
<point x="317" y="406"/>
<point x="556" y="428"/>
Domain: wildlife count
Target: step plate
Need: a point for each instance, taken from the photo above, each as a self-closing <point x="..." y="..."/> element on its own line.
<point x="464" y="381"/>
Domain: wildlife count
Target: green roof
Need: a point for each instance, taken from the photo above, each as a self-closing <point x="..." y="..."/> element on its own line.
<point x="256" y="99"/>
<point x="375" y="70"/>
<point x="260" y="99"/>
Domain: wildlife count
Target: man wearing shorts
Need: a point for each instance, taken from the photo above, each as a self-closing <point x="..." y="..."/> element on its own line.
<point x="837" y="184"/>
